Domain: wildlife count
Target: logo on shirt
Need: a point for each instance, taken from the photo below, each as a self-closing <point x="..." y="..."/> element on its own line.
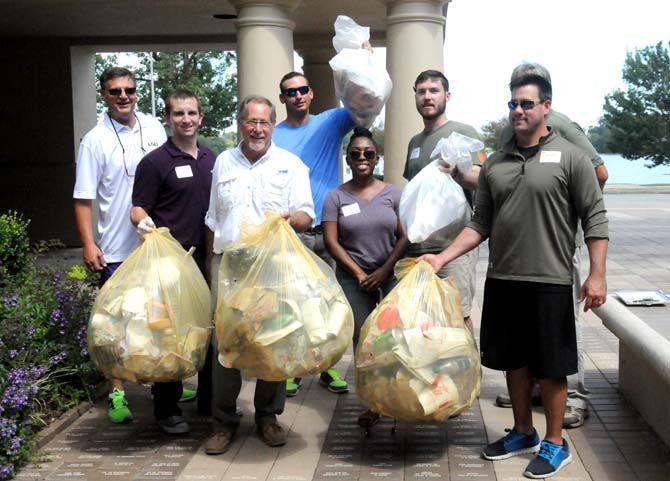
<point x="152" y="143"/>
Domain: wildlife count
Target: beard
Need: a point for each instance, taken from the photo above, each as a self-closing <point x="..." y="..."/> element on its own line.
<point x="439" y="110"/>
<point x="257" y="145"/>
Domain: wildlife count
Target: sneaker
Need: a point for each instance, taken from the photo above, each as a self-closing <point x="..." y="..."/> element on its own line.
<point x="272" y="434"/>
<point x="576" y="411"/>
<point x="118" y="411"/>
<point x="187" y="395"/>
<point x="293" y="386"/>
<point x="332" y="379"/>
<point x="219" y="442"/>
<point x="512" y="444"/>
<point x="549" y="461"/>
<point x="173" y="425"/>
<point x="504" y="401"/>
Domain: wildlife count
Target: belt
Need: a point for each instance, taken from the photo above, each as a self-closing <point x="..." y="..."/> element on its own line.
<point x="317" y="229"/>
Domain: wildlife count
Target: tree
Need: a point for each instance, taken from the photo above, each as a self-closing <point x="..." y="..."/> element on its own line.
<point x="492" y="131"/>
<point x="639" y="118"/>
<point x="102" y="62"/>
<point x="599" y="135"/>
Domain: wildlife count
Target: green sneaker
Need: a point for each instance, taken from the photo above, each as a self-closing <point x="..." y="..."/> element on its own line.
<point x="332" y="379"/>
<point x="118" y="411"/>
<point x="292" y="386"/>
<point x="187" y="395"/>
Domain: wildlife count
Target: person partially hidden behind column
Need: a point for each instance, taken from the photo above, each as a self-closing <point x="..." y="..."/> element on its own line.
<point x="363" y="234"/>
<point x="171" y="190"/>
<point x="530" y="197"/>
<point x="248" y="180"/>
<point x="576" y="409"/>
<point x="106" y="162"/>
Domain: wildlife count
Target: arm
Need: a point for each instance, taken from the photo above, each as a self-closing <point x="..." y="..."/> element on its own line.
<point x="385" y="271"/>
<point x="467" y="240"/>
<point x="341" y="256"/>
<point x="300" y="221"/>
<point x="602" y="176"/>
<point x="209" y="253"/>
<point x="137" y="214"/>
<point x="594" y="289"/>
<point x="467" y="180"/>
<point x="93" y="256"/>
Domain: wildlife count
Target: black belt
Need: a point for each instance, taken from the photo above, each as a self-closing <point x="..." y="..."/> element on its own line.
<point x="317" y="229"/>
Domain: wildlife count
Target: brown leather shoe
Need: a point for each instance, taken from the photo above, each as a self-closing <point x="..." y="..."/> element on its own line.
<point x="272" y="434"/>
<point x="219" y="442"/>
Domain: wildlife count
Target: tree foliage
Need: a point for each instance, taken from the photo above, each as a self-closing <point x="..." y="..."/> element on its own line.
<point x="599" y="135"/>
<point x="639" y="118"/>
<point x="492" y="131"/>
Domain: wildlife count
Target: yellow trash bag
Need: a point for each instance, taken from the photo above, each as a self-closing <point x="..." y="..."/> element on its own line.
<point x="416" y="359"/>
<point x="152" y="319"/>
<point x="280" y="312"/>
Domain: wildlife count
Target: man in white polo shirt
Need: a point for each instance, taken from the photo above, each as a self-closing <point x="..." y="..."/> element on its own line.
<point x="108" y="156"/>
<point x="254" y="177"/>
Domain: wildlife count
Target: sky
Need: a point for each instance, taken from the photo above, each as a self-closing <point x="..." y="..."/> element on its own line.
<point x="583" y="43"/>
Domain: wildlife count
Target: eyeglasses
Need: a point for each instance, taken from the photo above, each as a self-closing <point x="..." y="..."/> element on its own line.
<point x="263" y="124"/>
<point x="525" y="104"/>
<point x="123" y="149"/>
<point x="358" y="154"/>
<point x="293" y="91"/>
<point x="117" y="91"/>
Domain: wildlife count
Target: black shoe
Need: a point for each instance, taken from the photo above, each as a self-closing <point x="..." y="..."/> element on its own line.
<point x="504" y="401"/>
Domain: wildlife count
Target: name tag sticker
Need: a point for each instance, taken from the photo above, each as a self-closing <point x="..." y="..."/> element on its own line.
<point x="183" y="171"/>
<point x="550" y="156"/>
<point x="350" y="209"/>
<point x="414" y="154"/>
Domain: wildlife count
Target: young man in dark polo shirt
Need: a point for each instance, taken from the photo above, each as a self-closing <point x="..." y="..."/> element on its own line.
<point x="171" y="190"/>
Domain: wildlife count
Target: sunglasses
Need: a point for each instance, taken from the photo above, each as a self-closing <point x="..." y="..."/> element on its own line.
<point x="525" y="104"/>
<point x="357" y="154"/>
<point x="293" y="91"/>
<point x="117" y="92"/>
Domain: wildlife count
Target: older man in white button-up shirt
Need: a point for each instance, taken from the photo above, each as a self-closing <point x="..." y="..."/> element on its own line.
<point x="248" y="180"/>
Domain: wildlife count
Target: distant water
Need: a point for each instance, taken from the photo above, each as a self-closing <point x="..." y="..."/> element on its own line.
<point x="624" y="171"/>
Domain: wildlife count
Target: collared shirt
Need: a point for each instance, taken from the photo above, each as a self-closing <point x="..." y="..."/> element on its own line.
<point x="529" y="209"/>
<point x="243" y="191"/>
<point x="105" y="173"/>
<point x="173" y="188"/>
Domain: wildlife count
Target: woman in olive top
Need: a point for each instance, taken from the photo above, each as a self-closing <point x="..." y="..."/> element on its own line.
<point x="362" y="231"/>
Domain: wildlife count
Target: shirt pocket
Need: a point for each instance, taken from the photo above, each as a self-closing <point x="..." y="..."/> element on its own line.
<point x="225" y="192"/>
<point x="276" y="189"/>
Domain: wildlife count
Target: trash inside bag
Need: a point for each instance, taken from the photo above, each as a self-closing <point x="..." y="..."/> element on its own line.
<point x="416" y="359"/>
<point x="152" y="320"/>
<point x="433" y="207"/>
<point x="348" y="34"/>
<point x="280" y="312"/>
<point x="457" y="149"/>
<point x="361" y="83"/>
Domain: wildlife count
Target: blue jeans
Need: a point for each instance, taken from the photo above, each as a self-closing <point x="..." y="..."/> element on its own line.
<point x="362" y="302"/>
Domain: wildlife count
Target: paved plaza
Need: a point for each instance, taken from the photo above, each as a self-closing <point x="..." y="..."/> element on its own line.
<point x="325" y="443"/>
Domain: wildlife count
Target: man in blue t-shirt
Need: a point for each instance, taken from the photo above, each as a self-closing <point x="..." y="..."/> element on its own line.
<point x="317" y="140"/>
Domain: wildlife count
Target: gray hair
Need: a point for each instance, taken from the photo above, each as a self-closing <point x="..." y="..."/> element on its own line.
<point x="528" y="68"/>
<point x="255" y="99"/>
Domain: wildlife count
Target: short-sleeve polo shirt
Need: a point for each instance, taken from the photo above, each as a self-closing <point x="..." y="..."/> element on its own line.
<point x="173" y="188"/>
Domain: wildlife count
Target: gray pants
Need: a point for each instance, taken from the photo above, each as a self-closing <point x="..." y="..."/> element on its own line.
<point x="576" y="381"/>
<point x="269" y="397"/>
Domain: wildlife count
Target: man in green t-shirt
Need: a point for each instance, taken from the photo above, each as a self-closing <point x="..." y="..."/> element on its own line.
<point x="431" y="90"/>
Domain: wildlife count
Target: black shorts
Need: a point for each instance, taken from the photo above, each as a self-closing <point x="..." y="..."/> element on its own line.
<point x="529" y="324"/>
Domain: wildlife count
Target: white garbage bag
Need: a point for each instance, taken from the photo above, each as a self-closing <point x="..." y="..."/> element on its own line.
<point x="348" y="34"/>
<point x="457" y="150"/>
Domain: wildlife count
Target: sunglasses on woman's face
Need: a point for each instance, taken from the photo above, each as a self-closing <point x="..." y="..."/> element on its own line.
<point x="358" y="154"/>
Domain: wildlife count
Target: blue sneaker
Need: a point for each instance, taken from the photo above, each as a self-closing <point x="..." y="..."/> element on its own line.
<point x="512" y="444"/>
<point x="549" y="461"/>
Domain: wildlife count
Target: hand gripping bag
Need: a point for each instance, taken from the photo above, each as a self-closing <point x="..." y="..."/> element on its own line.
<point x="280" y="312"/>
<point x="416" y="359"/>
<point x="152" y="320"/>
<point x="361" y="83"/>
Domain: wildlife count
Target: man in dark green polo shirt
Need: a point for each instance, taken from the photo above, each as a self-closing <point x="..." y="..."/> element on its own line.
<point x="530" y="197"/>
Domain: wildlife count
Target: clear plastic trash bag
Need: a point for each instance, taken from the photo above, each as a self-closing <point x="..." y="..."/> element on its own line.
<point x="280" y="311"/>
<point x="152" y="320"/>
<point x="361" y="83"/>
<point x="416" y="359"/>
<point x="457" y="149"/>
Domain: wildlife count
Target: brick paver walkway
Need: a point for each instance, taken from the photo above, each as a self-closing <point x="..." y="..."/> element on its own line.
<point x="325" y="444"/>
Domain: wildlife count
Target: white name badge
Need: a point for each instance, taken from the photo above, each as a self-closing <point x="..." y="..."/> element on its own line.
<point x="350" y="209"/>
<point x="183" y="171"/>
<point x="414" y="154"/>
<point x="550" y="156"/>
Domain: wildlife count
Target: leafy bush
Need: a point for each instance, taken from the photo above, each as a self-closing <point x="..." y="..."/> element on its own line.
<point x="14" y="244"/>
<point x="44" y="365"/>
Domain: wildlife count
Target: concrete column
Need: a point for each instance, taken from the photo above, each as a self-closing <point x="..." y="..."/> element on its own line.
<point x="84" y="86"/>
<point x="414" y="42"/>
<point x="264" y="47"/>
<point x="316" y="68"/>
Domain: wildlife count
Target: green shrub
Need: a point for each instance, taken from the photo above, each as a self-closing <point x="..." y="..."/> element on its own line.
<point x="14" y="243"/>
